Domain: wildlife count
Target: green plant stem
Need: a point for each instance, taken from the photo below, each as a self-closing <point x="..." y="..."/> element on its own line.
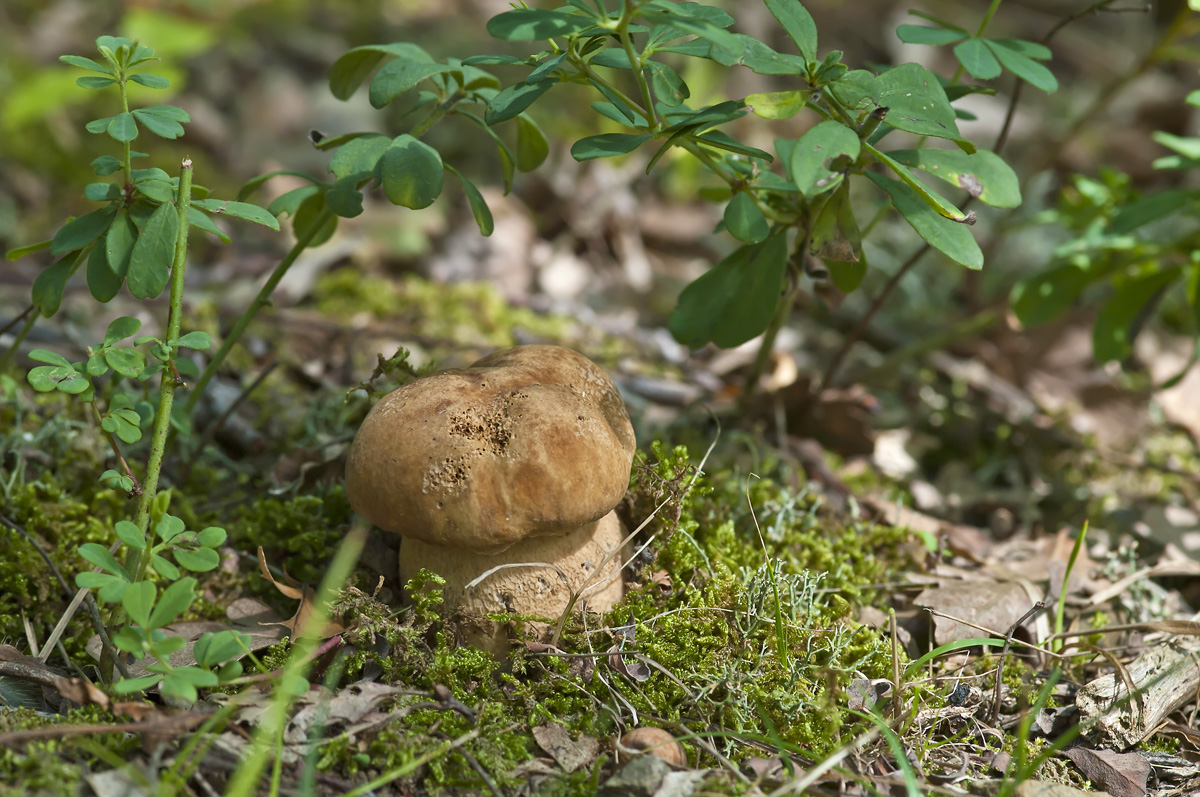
<point x="260" y="301"/>
<point x="127" y="163"/>
<point x="135" y="562"/>
<point x="112" y="442"/>
<point x="24" y="333"/>
<point x="637" y="65"/>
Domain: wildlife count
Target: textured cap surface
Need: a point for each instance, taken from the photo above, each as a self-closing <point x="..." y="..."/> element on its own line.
<point x="528" y="441"/>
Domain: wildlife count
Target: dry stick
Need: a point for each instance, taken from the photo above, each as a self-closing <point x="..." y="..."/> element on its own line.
<point x="1008" y="638"/>
<point x="16" y="320"/>
<point x="12" y="350"/>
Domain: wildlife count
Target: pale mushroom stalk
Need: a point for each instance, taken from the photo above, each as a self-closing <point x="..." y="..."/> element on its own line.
<point x="517" y="460"/>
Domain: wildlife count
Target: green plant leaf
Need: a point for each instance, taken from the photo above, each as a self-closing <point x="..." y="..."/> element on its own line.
<point x="138" y="601"/>
<point x="130" y="534"/>
<point x="119" y="243"/>
<point x="735" y="300"/>
<point x="202" y="221"/>
<point x="94" y="83"/>
<point x="1012" y="54"/>
<point x="351" y="69"/>
<point x="211" y="536"/>
<point x="344" y="198"/>
<point x="154" y="253"/>
<point x="934" y="200"/>
<point x="200" y="560"/>
<point x="98" y="555"/>
<point x="798" y="24"/>
<point x="195" y="340"/>
<point x="127" y="362"/>
<point x="1119" y="320"/>
<point x="47" y="356"/>
<point x="121" y="328"/>
<point x="129" y="686"/>
<point x="984" y="175"/>
<point x="288" y="203"/>
<point x="917" y="103"/>
<point x="123" y="424"/>
<point x="358" y="156"/>
<point x="106" y="165"/>
<point x="532" y="146"/>
<point x="162" y="192"/>
<point x="310" y="213"/>
<point x="399" y="77"/>
<point x="102" y="192"/>
<point x="49" y="285"/>
<point x="949" y="237"/>
<point x="777" y="104"/>
<point x="808" y="166"/>
<point x="122" y="127"/>
<point x="245" y="211"/>
<point x="160" y="121"/>
<point x="168" y="528"/>
<point x="174" y="601"/>
<point x="479" y="206"/>
<point x="922" y="34"/>
<point x="412" y="172"/>
<point x="150" y="80"/>
<point x="86" y="63"/>
<point x="20" y="251"/>
<point x="165" y="567"/>
<point x="215" y="647"/>
<point x="546" y="68"/>
<point x="836" y="239"/>
<point x="744" y="220"/>
<point x="977" y="59"/>
<point x="668" y="86"/>
<point x="46" y="378"/>
<point x="607" y="145"/>
<point x="79" y="232"/>
<point x="526" y="24"/>
<point x="102" y="282"/>
<point x="1150" y="208"/>
<point x="515" y="99"/>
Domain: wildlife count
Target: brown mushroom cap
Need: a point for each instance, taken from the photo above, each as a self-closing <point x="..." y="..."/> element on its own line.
<point x="528" y="441"/>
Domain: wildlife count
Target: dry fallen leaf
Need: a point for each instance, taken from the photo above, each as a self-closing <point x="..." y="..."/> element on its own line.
<point x="1121" y="774"/>
<point x="307" y="596"/>
<point x="568" y="753"/>
<point x="995" y="606"/>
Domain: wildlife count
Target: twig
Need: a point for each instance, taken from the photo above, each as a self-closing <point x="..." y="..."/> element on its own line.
<point x="16" y="320"/>
<point x="1008" y="638"/>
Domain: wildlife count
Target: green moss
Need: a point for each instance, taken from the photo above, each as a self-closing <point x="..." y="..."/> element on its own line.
<point x="58" y="766"/>
<point x="302" y="532"/>
<point x="474" y="314"/>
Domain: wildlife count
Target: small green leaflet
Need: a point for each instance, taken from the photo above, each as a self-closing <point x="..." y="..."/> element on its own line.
<point x="238" y="210"/>
<point x="735" y="300"/>
<point x="154" y="253"/>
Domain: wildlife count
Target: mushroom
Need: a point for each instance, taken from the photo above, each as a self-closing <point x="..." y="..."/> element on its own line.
<point x="654" y="741"/>
<point x="517" y="460"/>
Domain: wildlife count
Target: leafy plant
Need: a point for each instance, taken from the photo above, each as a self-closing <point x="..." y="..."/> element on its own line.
<point x="1137" y="248"/>
<point x="410" y="172"/>
<point x="788" y="211"/>
<point x="138" y="239"/>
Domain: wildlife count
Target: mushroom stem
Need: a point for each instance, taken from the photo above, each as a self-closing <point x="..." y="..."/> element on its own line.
<point x="537" y="576"/>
